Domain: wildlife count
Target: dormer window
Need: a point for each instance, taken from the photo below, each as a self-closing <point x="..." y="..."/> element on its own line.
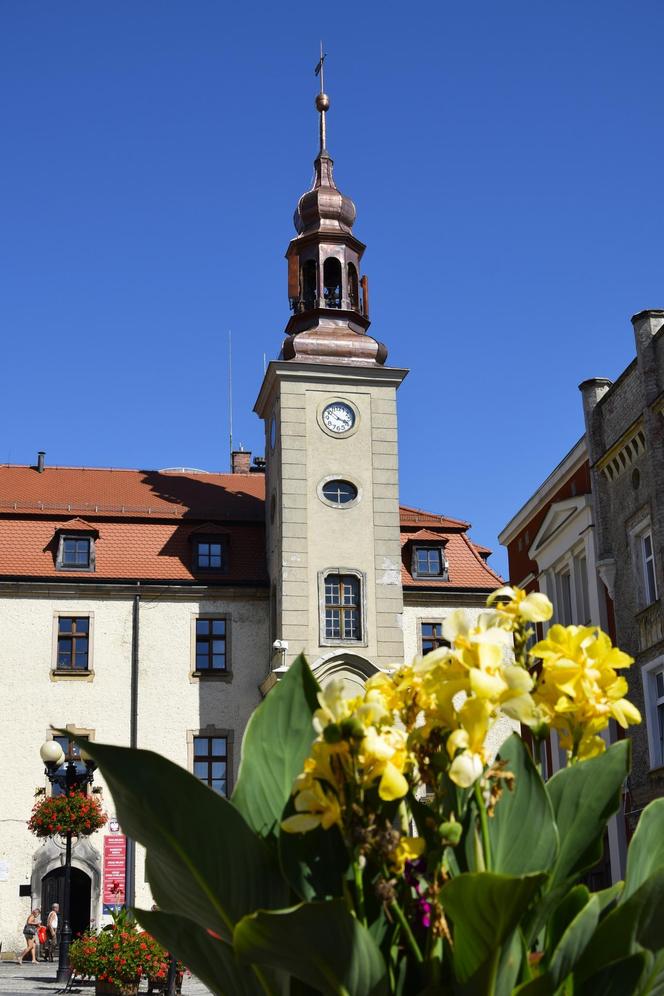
<point x="209" y="554"/>
<point x="429" y="562"/>
<point x="76" y="547"/>
<point x="75" y="552"/>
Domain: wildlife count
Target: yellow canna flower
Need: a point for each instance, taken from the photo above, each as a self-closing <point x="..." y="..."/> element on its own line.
<point x="466" y="768"/>
<point x="514" y="605"/>
<point x="315" y="807"/>
<point x="578" y="690"/>
<point x="408" y="849"/>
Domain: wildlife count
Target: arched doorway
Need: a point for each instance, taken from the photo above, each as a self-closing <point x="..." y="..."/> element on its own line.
<point x="53" y="891"/>
<point x="353" y="668"/>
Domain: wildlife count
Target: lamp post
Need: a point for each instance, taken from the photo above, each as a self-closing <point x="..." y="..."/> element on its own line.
<point x="65" y="774"/>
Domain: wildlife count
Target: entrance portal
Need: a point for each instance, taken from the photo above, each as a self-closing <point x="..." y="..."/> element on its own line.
<point x="53" y="891"/>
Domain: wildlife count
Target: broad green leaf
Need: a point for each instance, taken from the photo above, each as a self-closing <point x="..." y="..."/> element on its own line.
<point x="651" y="982"/>
<point x="633" y="924"/>
<point x="515" y="848"/>
<point x="203" y="861"/>
<point x="320" y="943"/>
<point x="485" y="909"/>
<point x="314" y="863"/>
<point x="564" y="913"/>
<point x="608" y="897"/>
<point x="276" y="743"/>
<point x="584" y="797"/>
<point x="211" y="960"/>
<point x="573" y="942"/>
<point x="620" y="978"/>
<point x="646" y="849"/>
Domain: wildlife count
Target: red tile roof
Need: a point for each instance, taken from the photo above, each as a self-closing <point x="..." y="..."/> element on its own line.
<point x="146" y="518"/>
<point x="98" y="491"/>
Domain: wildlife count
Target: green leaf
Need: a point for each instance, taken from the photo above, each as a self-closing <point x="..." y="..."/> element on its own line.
<point x="320" y="943"/>
<point x="314" y="863"/>
<point x="608" y="897"/>
<point x="584" y="797"/>
<point x="646" y="850"/>
<point x="564" y="913"/>
<point x="212" y="961"/>
<point x="573" y="942"/>
<point x="620" y="978"/>
<point x="633" y="924"/>
<point x="276" y="743"/>
<point x="203" y="861"/>
<point x="515" y="849"/>
<point x="485" y="908"/>
<point x="651" y="982"/>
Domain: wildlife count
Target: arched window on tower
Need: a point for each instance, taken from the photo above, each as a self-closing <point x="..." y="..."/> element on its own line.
<point x="353" y="290"/>
<point x="332" y="282"/>
<point x="309" y="284"/>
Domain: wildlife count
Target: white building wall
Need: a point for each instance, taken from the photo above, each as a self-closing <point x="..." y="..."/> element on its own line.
<point x="172" y="705"/>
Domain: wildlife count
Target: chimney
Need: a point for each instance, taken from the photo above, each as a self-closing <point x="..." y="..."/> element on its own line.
<point x="241" y="461"/>
<point x="40" y="461"/>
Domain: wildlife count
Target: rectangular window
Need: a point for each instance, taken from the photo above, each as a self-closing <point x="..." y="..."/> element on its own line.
<point x="75" y="552"/>
<point x="342" y="607"/>
<point x="210" y="555"/>
<point x="659" y="709"/>
<point x="73" y="643"/>
<point x="648" y="561"/>
<point x="581" y="570"/>
<point x="429" y="561"/>
<point x="72" y="752"/>
<point x="565" y="598"/>
<point x="211" y="760"/>
<point x="432" y="636"/>
<point x="210" y="645"/>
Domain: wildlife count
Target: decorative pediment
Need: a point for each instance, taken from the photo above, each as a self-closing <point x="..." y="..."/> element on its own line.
<point x="560" y="515"/>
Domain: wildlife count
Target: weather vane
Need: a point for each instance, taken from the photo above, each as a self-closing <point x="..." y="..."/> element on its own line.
<point x="322" y="99"/>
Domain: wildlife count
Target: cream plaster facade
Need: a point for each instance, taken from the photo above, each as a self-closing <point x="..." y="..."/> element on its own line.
<point x="172" y="706"/>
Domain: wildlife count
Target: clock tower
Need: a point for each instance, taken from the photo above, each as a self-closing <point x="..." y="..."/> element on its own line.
<point x="332" y="495"/>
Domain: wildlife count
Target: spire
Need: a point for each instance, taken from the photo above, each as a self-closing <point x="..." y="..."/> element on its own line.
<point x="330" y="303"/>
<point x="322" y="102"/>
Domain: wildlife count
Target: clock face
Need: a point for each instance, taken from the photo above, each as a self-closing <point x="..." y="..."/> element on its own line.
<point x="338" y="417"/>
<point x="273" y="431"/>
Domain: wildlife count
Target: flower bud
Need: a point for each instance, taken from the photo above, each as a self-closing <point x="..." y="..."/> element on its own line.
<point x="352" y="729"/>
<point x="450" y="832"/>
<point x="332" y="734"/>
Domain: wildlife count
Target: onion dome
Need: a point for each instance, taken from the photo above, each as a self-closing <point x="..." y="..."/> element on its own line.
<point x="324" y="208"/>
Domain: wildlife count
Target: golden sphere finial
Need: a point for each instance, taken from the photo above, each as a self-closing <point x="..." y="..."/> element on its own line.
<point x="322" y="102"/>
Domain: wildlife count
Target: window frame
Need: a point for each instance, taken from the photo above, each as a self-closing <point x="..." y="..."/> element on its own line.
<point x="222" y="541"/>
<point x="649" y="583"/>
<point x="211" y="675"/>
<point x="212" y="732"/>
<point x="439" y="640"/>
<point x="654" y="710"/>
<point x="439" y="548"/>
<point x="343" y="479"/>
<point x="361" y="578"/>
<point x="76" y="536"/>
<point x="70" y="730"/>
<point x="71" y="674"/>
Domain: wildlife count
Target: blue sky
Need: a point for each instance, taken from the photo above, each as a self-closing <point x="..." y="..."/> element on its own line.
<point x="506" y="162"/>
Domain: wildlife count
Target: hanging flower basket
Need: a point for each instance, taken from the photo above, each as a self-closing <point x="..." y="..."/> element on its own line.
<point x="75" y="813"/>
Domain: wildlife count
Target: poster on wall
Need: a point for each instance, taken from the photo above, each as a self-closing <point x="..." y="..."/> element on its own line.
<point x="113" y="883"/>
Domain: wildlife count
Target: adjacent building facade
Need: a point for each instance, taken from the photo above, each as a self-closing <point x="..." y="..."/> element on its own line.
<point x="155" y="608"/>
<point x="592" y="538"/>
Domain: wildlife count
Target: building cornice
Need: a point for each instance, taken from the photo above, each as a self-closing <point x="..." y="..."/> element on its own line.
<point x="66" y="587"/>
<point x="622" y="454"/>
<point x="323" y="373"/>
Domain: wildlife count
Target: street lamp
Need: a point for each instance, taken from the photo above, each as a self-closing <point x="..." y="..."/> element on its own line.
<point x="65" y="774"/>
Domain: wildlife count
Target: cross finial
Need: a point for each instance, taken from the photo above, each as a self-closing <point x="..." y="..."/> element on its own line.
<point x="322" y="99"/>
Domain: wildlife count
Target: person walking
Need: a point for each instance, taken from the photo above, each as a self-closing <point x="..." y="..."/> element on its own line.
<point x="30" y="934"/>
<point x="52" y="923"/>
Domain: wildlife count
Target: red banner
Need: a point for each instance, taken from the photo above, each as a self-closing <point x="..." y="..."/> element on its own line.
<point x="115" y="850"/>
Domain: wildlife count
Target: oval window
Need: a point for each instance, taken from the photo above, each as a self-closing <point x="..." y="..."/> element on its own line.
<point x="339" y="492"/>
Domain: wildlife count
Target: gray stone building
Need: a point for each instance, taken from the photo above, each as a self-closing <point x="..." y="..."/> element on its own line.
<point x="625" y="434"/>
